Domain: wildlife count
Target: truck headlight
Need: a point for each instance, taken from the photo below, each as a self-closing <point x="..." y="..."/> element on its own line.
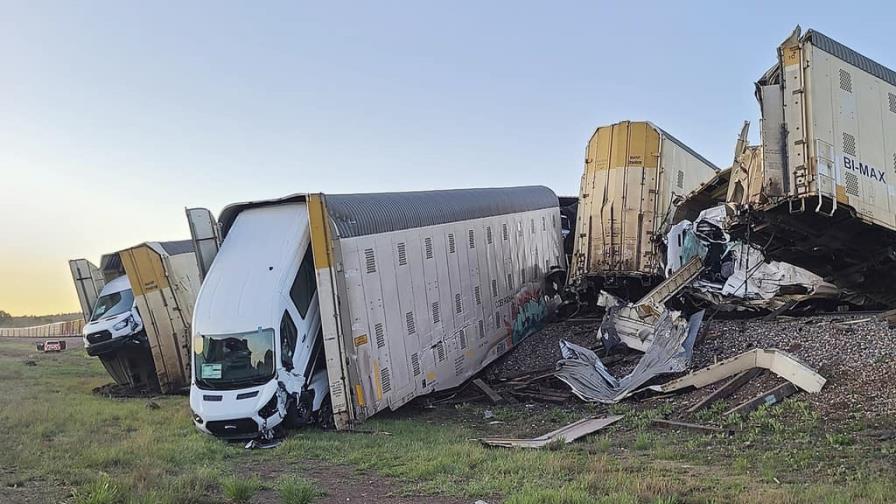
<point x="269" y="409"/>
<point x="124" y="323"/>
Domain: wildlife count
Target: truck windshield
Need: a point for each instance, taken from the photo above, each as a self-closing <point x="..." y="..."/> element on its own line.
<point x="113" y="304"/>
<point x="230" y="361"/>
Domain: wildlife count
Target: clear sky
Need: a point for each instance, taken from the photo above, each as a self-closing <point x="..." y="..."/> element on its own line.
<point x="116" y="115"/>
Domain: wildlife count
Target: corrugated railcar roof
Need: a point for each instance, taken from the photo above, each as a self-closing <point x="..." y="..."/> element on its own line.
<point x="831" y="46"/>
<point x="177" y="247"/>
<point x="365" y="214"/>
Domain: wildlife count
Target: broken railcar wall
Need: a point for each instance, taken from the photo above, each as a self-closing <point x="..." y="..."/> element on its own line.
<point x="633" y="171"/>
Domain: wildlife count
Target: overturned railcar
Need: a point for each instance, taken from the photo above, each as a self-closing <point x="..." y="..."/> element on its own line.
<point x="819" y="192"/>
<point x="137" y="307"/>
<point x="634" y="172"/>
<point x="320" y="307"/>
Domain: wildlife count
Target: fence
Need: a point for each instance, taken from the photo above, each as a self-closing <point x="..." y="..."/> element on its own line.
<point x="56" y="330"/>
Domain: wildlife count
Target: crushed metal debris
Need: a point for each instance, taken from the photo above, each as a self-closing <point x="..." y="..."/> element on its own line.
<point x="566" y="434"/>
<point x="670" y="351"/>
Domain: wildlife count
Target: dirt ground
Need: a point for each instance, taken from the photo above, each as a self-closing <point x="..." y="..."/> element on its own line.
<point x="341" y="484"/>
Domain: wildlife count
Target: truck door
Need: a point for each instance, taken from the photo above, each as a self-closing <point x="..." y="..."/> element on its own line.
<point x="204" y="232"/>
<point x="88" y="282"/>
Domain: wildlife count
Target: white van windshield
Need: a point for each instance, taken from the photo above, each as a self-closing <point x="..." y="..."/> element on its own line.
<point x="229" y="361"/>
<point x="113" y="304"/>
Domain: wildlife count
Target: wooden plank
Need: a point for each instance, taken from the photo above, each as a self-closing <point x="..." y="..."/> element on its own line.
<point x="726" y="390"/>
<point x="523" y="382"/>
<point x="706" y="429"/>
<point x="540" y="397"/>
<point x="527" y="374"/>
<point x="490" y="392"/>
<point x="773" y="396"/>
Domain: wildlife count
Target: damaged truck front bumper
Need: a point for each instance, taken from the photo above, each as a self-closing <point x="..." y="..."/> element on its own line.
<point x="113" y="344"/>
<point x="246" y="413"/>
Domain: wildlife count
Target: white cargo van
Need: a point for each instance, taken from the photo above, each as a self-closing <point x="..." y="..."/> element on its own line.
<point x="331" y="308"/>
<point x="114" y="321"/>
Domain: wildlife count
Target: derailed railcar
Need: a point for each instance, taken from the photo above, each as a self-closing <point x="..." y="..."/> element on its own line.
<point x="142" y="333"/>
<point x="633" y="173"/>
<point x="823" y="194"/>
<point x="164" y="277"/>
<point x="415" y="292"/>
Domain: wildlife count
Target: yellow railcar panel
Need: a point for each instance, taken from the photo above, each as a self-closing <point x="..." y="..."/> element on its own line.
<point x="618" y="200"/>
<point x="144" y="269"/>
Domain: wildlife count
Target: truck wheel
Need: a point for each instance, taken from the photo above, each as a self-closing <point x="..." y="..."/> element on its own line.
<point x="298" y="412"/>
<point x="325" y="416"/>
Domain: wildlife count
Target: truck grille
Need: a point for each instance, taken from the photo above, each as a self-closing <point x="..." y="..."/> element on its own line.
<point x="240" y="427"/>
<point x="99" y="337"/>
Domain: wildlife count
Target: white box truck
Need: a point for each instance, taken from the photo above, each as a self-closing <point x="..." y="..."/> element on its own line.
<point x="823" y="193"/>
<point x="331" y="308"/>
<point x="138" y="306"/>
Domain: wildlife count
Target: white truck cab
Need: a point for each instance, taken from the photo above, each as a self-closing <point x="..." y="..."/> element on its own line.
<point x="114" y="322"/>
<point x="257" y="356"/>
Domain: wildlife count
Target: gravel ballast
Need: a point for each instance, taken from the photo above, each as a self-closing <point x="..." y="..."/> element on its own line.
<point x="855" y="353"/>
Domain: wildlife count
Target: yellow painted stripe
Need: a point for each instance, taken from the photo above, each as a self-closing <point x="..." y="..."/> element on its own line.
<point x="359" y="395"/>
<point x="317" y="217"/>
<point x="376" y="380"/>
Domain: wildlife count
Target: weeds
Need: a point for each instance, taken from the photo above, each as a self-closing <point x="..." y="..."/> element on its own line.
<point x="99" y="491"/>
<point x="240" y="489"/>
<point x="556" y="444"/>
<point x="294" y="490"/>
<point x="644" y="441"/>
<point x="839" y="439"/>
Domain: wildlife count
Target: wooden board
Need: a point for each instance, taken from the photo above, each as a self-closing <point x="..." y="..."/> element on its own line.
<point x="726" y="390"/>
<point x="773" y="396"/>
<point x="490" y="392"/>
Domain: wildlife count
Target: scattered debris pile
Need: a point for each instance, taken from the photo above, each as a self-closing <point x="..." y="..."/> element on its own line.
<point x="736" y="275"/>
<point x="541" y="351"/>
<point x="672" y="339"/>
<point x="856" y="353"/>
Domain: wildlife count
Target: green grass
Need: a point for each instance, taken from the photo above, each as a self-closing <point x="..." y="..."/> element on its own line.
<point x="99" y="491"/>
<point x="295" y="490"/>
<point x="97" y="450"/>
<point x="239" y="489"/>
